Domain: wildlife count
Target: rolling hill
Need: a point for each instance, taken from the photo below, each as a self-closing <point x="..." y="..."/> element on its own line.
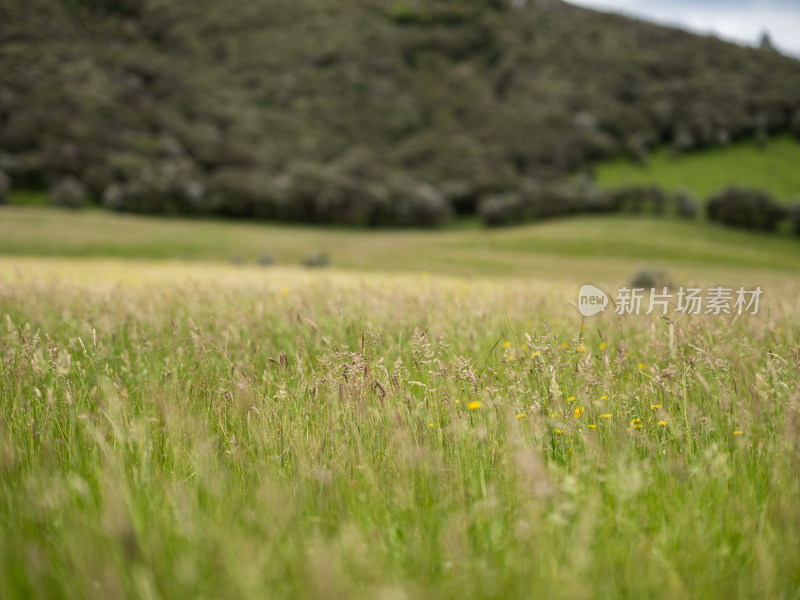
<point x="364" y="112"/>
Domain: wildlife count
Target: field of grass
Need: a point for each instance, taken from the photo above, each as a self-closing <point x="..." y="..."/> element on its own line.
<point x="194" y="430"/>
<point x="773" y="168"/>
<point x="565" y="249"/>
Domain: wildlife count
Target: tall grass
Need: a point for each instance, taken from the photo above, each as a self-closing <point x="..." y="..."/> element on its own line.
<point x="289" y="435"/>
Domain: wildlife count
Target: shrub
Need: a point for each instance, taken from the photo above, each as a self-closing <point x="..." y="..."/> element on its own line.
<point x="534" y="201"/>
<point x="410" y="204"/>
<point x="317" y="260"/>
<point x="686" y="205"/>
<point x="744" y="207"/>
<point x="5" y="187"/>
<point x="68" y="192"/>
<point x="168" y="188"/>
<point x="651" y="278"/>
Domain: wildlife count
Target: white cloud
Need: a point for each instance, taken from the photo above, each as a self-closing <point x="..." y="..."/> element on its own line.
<point x="742" y="21"/>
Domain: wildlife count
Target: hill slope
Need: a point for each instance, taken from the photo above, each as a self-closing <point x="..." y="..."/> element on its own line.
<point x="323" y="110"/>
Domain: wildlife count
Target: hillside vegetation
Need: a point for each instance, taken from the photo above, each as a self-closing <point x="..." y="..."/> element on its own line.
<point x="772" y="167"/>
<point x="368" y="112"/>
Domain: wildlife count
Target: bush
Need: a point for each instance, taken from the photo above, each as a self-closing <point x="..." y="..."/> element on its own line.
<point x="68" y="192"/>
<point x="317" y="260"/>
<point x="5" y="187"/>
<point x="686" y="205"/>
<point x="534" y="201"/>
<point x="169" y="188"/>
<point x="744" y="207"/>
<point x="651" y="278"/>
<point x="405" y="203"/>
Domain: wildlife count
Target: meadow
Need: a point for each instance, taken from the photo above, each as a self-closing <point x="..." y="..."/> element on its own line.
<point x="771" y="167"/>
<point x="174" y="425"/>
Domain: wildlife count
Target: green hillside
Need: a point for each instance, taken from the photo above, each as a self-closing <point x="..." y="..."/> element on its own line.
<point x="772" y="166"/>
<point x="368" y="112"/>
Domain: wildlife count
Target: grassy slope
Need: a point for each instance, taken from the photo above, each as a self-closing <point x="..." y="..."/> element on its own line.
<point x="571" y="248"/>
<point x="773" y="168"/>
<point x="246" y="434"/>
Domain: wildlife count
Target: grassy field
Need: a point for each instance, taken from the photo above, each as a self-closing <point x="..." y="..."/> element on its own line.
<point x="773" y="168"/>
<point x="429" y="418"/>
<point x="203" y="431"/>
<point x="565" y="249"/>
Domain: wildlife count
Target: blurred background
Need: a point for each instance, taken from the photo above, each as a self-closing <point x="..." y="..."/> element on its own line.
<point x="467" y="116"/>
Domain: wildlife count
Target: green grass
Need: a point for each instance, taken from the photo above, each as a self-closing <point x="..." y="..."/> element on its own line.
<point x="203" y="431"/>
<point x="575" y="247"/>
<point x="773" y="168"/>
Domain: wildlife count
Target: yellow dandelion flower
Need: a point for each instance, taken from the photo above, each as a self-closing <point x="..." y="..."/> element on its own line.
<point x="430" y="424"/>
<point x="635" y="421"/>
<point x="522" y="416"/>
<point x="474" y="405"/>
<point x="637" y="426"/>
<point x="662" y="423"/>
<point x="737" y="432"/>
<point x="606" y="416"/>
<point x="592" y="426"/>
<point x="571" y="399"/>
<point x="284" y="289"/>
<point x="603" y="346"/>
<point x="603" y="397"/>
<point x="641" y="365"/>
<point x="578" y="412"/>
<point x="559" y="431"/>
<point x="506" y="344"/>
<point x="655" y="407"/>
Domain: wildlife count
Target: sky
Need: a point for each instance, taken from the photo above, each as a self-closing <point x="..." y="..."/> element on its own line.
<point x="741" y="21"/>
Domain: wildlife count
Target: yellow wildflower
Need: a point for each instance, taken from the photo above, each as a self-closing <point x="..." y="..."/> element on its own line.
<point x="571" y="399"/>
<point x="662" y="423"/>
<point x="606" y="416"/>
<point x="430" y="424"/>
<point x="603" y="397"/>
<point x="474" y="405"/>
<point x="592" y="426"/>
<point x="559" y="431"/>
<point x="507" y="345"/>
<point x="737" y="432"/>
<point x="565" y="345"/>
<point x="641" y="365"/>
<point x="535" y="354"/>
<point x="578" y="412"/>
<point x="655" y="407"/>
<point x="602" y="346"/>
<point x="522" y="416"/>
